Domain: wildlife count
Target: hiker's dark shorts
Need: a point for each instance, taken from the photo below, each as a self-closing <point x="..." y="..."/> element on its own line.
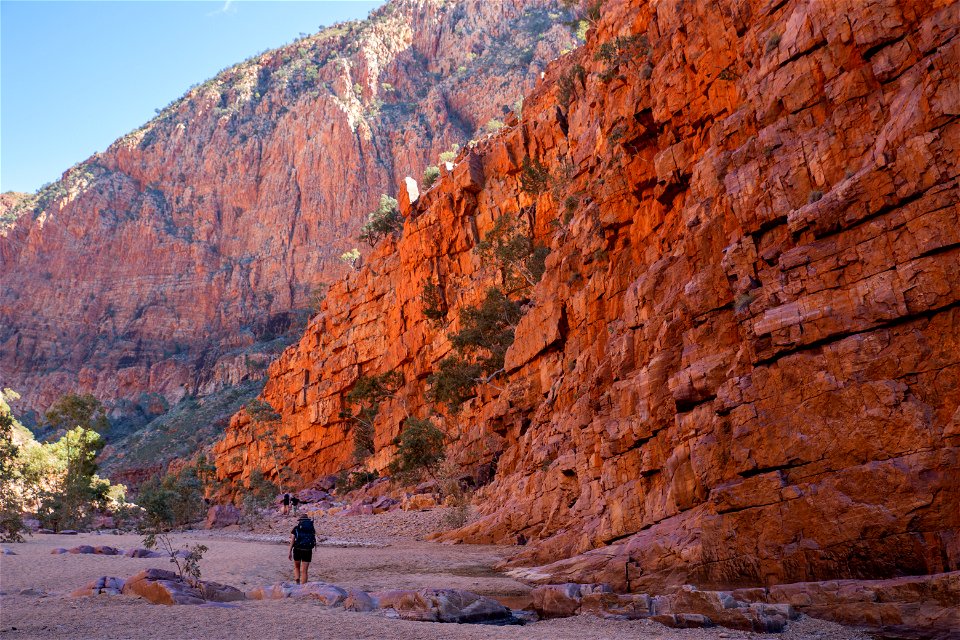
<point x="302" y="555"/>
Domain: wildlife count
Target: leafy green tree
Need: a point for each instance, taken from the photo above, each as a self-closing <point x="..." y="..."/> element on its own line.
<point x="174" y="500"/>
<point x="11" y="505"/>
<point x="76" y="490"/>
<point x="74" y="410"/>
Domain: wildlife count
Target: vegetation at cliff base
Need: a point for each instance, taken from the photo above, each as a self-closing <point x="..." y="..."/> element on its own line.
<point x="56" y="481"/>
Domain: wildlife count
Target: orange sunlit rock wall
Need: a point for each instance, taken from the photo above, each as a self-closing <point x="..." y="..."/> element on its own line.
<point x="742" y="364"/>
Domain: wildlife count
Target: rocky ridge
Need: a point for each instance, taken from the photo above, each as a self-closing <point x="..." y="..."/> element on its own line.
<point x="737" y="369"/>
<point x="159" y="265"/>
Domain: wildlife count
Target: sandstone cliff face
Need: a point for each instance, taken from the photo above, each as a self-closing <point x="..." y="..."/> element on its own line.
<point x="149" y="265"/>
<point x="741" y="365"/>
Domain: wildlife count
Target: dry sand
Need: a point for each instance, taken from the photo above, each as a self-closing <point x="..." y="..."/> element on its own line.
<point x="401" y="561"/>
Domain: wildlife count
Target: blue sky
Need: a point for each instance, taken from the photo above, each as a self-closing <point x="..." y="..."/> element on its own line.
<point x="75" y="76"/>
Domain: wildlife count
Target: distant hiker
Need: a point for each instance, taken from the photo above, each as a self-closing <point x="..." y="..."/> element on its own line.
<point x="296" y="503"/>
<point x="303" y="539"/>
<point x="521" y="540"/>
<point x="285" y="509"/>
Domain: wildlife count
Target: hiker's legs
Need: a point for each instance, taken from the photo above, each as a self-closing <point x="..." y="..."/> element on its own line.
<point x="296" y="571"/>
<point x="304" y="569"/>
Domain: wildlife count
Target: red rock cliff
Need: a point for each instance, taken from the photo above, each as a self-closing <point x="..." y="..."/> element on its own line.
<point x="147" y="264"/>
<point x="741" y="364"/>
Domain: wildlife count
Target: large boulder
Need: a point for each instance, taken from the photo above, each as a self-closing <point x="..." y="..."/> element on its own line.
<point x="419" y="502"/>
<point x="723" y="609"/>
<point x="326" y="483"/>
<point x="358" y="600"/>
<point x="683" y="620"/>
<point x="312" y="495"/>
<point x="277" y="591"/>
<point x="445" y="605"/>
<point x="328" y="594"/>
<point x="83" y="548"/>
<point x="358" y="510"/>
<point x="222" y="515"/>
<point x="165" y="587"/>
<point x="104" y="550"/>
<point x="563" y="600"/>
<point x="162" y="587"/>
<point x="621" y="606"/>
<point x="383" y="504"/>
<point x="906" y="607"/>
<point x="216" y="592"/>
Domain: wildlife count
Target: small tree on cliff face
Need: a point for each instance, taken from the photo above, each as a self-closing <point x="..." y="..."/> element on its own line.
<point x="420" y="447"/>
<point x="367" y="394"/>
<point x="266" y="424"/>
<point x="481" y="346"/>
<point x="382" y="221"/>
<point x="488" y="328"/>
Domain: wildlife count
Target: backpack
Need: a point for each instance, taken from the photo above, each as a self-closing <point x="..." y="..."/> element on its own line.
<point x="304" y="535"/>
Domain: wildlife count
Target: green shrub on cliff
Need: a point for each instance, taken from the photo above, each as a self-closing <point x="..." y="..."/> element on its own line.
<point x="487" y="329"/>
<point x="454" y="382"/>
<point x="367" y="394"/>
<point x="481" y="344"/>
<point x="382" y="221"/>
<point x="430" y="175"/>
<point x="11" y="504"/>
<point x="420" y="447"/>
<point x="265" y="425"/>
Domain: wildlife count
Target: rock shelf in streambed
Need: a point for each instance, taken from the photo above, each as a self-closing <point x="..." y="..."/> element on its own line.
<point x="688" y="607"/>
<point x="760" y="610"/>
<point x="159" y="586"/>
<point x="104" y="550"/>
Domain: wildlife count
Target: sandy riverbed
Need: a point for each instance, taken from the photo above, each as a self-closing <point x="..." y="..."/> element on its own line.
<point x="47" y="611"/>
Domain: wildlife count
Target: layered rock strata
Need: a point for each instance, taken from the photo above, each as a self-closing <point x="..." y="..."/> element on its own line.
<point x="740" y="366"/>
<point x="152" y="266"/>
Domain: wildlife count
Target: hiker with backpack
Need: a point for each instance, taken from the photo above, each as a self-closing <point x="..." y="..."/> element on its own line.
<point x="303" y="539"/>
